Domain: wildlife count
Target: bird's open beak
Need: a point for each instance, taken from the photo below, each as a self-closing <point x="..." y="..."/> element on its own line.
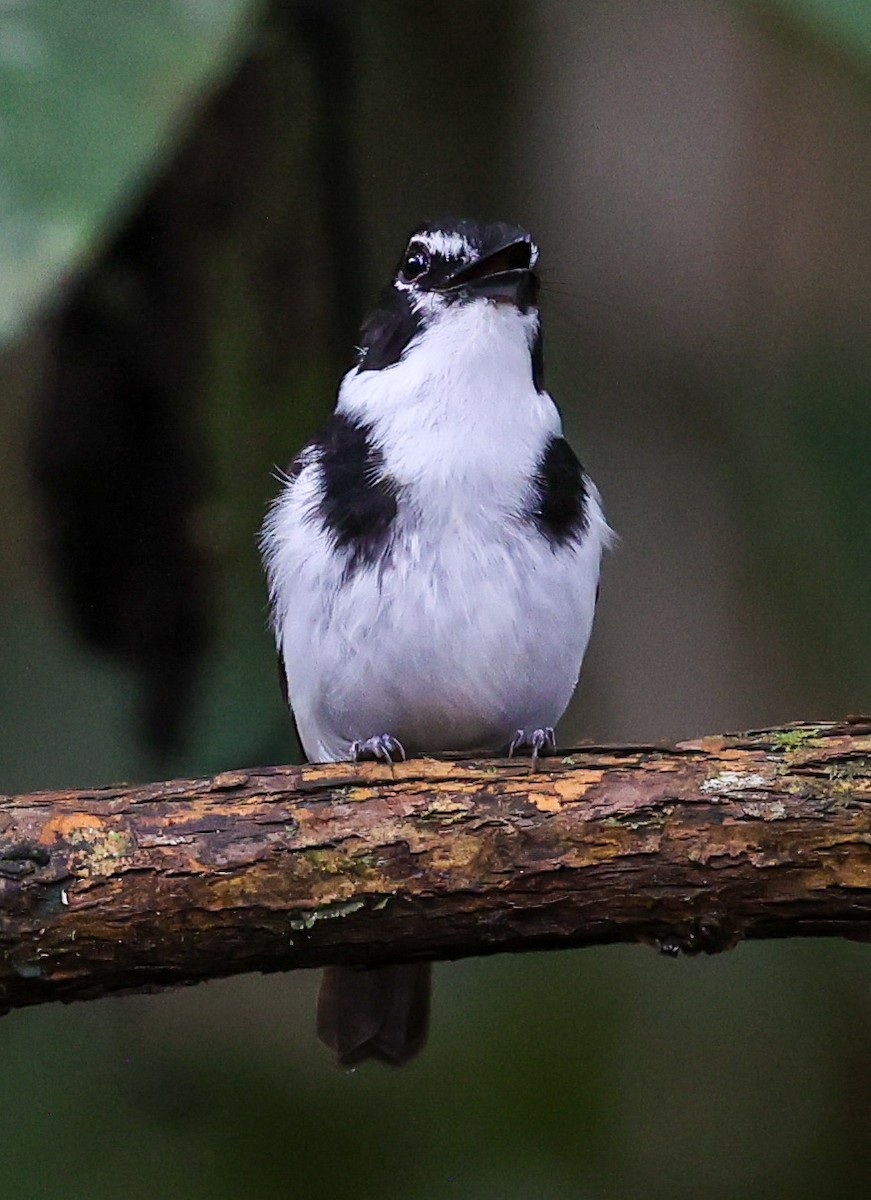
<point x="504" y="275"/>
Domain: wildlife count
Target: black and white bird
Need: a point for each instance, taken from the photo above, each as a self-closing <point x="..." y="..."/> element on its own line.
<point x="433" y="558"/>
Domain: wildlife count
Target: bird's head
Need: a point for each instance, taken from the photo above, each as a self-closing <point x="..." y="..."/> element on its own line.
<point x="462" y="261"/>
<point x="445" y="265"/>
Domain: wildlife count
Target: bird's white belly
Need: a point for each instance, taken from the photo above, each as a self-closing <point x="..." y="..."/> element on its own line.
<point x="450" y="644"/>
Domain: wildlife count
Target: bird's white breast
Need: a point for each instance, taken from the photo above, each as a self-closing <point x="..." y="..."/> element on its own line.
<point x="472" y="624"/>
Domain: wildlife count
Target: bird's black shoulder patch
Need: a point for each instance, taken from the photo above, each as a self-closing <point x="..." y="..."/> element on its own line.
<point x="387" y="331"/>
<point x="560" y="502"/>
<point x="358" y="503"/>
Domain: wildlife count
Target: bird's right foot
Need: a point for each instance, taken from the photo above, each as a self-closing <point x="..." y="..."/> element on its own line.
<point x="381" y="748"/>
<point x="538" y="742"/>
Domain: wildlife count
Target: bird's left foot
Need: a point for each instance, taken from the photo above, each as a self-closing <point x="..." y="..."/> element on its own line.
<point x="381" y="748"/>
<point x="539" y="741"/>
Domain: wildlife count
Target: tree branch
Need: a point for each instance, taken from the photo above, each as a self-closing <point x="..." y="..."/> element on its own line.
<point x="688" y="848"/>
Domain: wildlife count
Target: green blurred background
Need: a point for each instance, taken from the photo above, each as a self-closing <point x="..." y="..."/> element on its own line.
<point x="198" y="200"/>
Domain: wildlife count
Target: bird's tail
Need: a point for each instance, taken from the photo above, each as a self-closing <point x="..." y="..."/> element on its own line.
<point x="374" y="1012"/>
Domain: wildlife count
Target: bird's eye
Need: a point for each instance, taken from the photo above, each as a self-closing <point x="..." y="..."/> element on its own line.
<point x="415" y="263"/>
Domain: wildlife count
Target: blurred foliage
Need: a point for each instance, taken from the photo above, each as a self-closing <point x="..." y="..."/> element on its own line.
<point x="609" y="1073"/>
<point x="90" y="95"/>
<point x="846" y="24"/>
<point x="809" y="440"/>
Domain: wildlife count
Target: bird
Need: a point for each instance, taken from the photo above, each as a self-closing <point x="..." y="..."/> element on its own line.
<point x="433" y="556"/>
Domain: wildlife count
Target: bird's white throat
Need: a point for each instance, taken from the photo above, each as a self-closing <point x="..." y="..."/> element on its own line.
<point x="462" y="396"/>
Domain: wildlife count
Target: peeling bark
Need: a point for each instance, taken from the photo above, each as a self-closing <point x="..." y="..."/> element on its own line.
<point x="688" y="848"/>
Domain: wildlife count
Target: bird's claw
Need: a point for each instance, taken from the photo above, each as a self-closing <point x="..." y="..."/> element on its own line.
<point x="539" y="741"/>
<point x="381" y="748"/>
